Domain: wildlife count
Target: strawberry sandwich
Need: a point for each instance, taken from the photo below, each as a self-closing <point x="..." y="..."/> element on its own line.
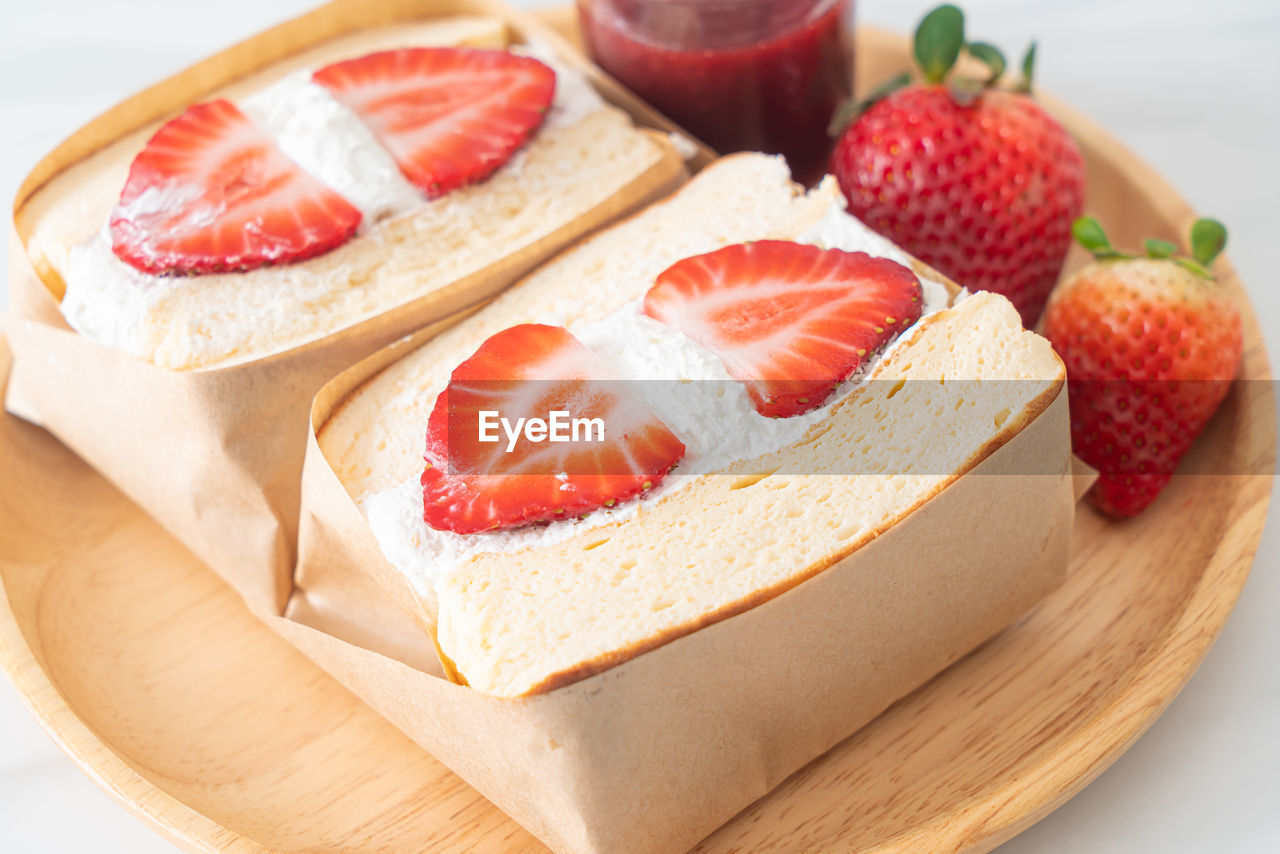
<point x="202" y="258"/>
<point x="354" y="179"/>
<point x="763" y="385"/>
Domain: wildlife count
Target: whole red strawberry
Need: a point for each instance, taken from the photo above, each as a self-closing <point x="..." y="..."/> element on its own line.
<point x="979" y="182"/>
<point x="1151" y="345"/>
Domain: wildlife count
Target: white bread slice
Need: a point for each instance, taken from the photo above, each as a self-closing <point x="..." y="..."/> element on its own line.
<point x="561" y="177"/>
<point x="521" y="622"/>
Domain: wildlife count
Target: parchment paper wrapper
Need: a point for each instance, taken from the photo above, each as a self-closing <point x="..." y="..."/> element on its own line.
<point x="654" y="754"/>
<point x="216" y="455"/>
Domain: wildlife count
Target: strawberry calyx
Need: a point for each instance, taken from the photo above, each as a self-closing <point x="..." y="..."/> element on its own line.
<point x="1208" y="239"/>
<point x="938" y="44"/>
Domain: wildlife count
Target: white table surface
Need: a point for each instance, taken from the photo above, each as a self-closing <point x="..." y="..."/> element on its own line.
<point x="1194" y="87"/>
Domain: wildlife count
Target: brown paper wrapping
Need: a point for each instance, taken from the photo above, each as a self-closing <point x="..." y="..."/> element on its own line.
<point x="216" y="455"/>
<point x="654" y="754"/>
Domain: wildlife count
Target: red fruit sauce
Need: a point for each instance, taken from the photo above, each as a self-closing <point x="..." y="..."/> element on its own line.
<point x="743" y="75"/>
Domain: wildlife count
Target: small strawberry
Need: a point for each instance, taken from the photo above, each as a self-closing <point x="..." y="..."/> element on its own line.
<point x="978" y="181"/>
<point x="211" y="193"/>
<point x="1151" y="345"/>
<point x="449" y="116"/>
<point x="531" y="371"/>
<point x="791" y="321"/>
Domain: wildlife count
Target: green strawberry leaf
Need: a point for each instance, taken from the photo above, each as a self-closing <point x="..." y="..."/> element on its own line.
<point x="1193" y="267"/>
<point x="1028" y="69"/>
<point x="990" y="56"/>
<point x="1088" y="233"/>
<point x="1159" y="248"/>
<point x="1208" y="239"/>
<point x="850" y="110"/>
<point x="939" y="38"/>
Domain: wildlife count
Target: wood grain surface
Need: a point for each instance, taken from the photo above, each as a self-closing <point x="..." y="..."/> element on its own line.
<point x="150" y="673"/>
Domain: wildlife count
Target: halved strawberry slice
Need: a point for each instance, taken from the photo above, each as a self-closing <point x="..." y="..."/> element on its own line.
<point x="789" y="320"/>
<point x="449" y="116"/>
<point x="211" y="193"/>
<point x="532" y="371"/>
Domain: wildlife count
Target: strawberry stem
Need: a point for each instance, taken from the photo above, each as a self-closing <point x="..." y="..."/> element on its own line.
<point x="965" y="90"/>
<point x="938" y="41"/>
<point x="1159" y="248"/>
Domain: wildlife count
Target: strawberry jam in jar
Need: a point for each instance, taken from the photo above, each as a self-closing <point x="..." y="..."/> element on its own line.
<point x="743" y="75"/>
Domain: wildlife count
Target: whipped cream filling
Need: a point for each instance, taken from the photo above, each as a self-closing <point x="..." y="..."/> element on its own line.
<point x="713" y="416"/>
<point x="327" y="139"/>
<point x="109" y="301"/>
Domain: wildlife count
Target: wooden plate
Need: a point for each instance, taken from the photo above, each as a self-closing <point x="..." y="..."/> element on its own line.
<point x="150" y="674"/>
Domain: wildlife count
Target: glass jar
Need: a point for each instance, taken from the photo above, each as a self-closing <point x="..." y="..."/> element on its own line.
<point x="742" y="75"/>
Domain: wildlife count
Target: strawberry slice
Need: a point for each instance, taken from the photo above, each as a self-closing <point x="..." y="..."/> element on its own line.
<point x="211" y="193"/>
<point x="449" y="116"/>
<point x="532" y="371"/>
<point x="789" y="320"/>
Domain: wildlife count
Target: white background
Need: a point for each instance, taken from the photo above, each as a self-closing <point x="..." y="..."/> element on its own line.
<point x="1194" y="87"/>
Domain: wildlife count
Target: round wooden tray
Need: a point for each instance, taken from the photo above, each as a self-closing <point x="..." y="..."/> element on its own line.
<point x="153" y="677"/>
